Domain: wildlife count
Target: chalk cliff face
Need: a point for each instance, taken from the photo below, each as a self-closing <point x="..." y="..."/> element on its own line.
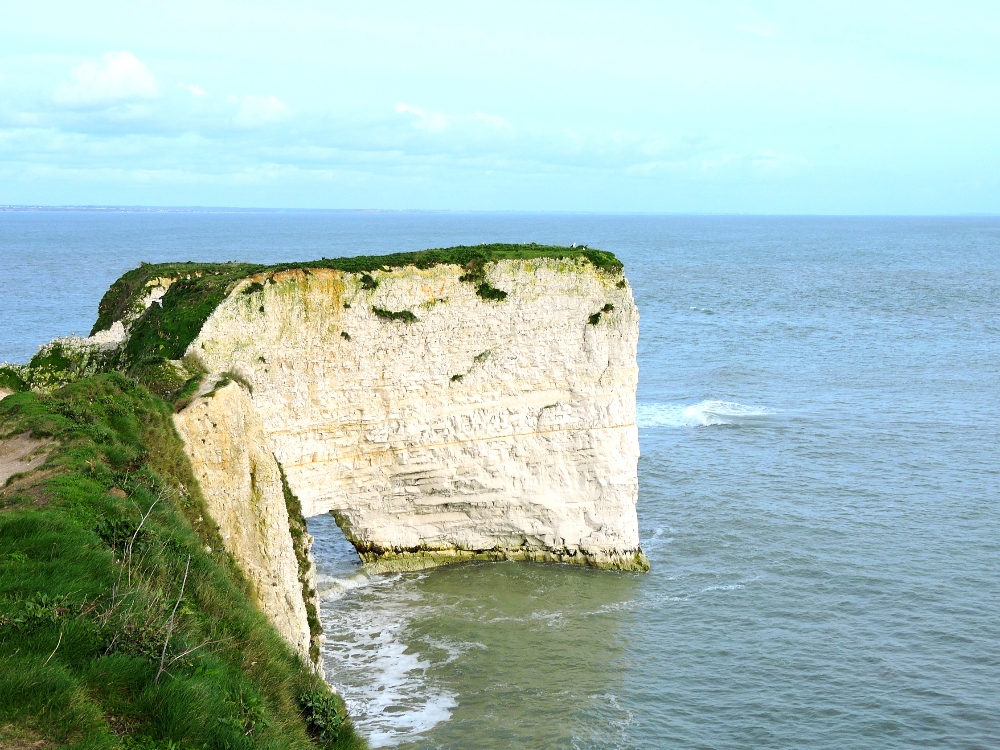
<point x="241" y="483"/>
<point x="434" y="423"/>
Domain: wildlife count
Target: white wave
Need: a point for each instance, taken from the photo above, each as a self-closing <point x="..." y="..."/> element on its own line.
<point x="334" y="587"/>
<point x="732" y="586"/>
<point x="659" y="539"/>
<point x="381" y="674"/>
<point x="727" y="587"/>
<point x="702" y="414"/>
<point x="454" y="649"/>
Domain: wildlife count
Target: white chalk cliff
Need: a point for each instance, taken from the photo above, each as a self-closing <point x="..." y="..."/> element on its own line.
<point x="241" y="483"/>
<point x="468" y="428"/>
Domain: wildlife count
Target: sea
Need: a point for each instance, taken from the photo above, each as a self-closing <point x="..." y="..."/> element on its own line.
<point x="819" y="486"/>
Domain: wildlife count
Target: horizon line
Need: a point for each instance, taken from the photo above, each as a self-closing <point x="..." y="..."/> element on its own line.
<point x="38" y="208"/>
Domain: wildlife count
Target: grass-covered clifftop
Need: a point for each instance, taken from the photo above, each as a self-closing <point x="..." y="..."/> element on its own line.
<point x="123" y="622"/>
<point x="166" y="329"/>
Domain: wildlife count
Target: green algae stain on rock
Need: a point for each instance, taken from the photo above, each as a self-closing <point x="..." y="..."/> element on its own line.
<point x="404" y="316"/>
<point x="396" y="560"/>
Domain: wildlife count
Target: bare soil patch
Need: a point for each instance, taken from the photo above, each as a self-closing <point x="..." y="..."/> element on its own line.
<point x="19" y="738"/>
<point x="20" y="454"/>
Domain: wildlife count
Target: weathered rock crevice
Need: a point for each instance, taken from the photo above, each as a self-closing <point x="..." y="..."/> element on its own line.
<point x="302" y="543"/>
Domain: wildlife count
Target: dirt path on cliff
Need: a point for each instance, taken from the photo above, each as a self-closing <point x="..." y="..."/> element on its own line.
<point x="21" y="453"/>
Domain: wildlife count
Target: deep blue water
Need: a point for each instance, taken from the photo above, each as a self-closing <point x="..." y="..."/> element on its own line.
<point x="819" y="487"/>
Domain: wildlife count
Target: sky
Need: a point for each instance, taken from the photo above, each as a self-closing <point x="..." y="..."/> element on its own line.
<point x="675" y="107"/>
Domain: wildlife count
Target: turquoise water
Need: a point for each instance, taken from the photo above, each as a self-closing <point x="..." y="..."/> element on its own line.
<point x="819" y="485"/>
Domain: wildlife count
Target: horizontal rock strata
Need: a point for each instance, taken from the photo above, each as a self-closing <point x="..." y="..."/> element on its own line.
<point x="439" y="419"/>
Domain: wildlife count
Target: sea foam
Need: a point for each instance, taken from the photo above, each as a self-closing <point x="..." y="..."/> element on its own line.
<point x="334" y="587"/>
<point x="381" y="676"/>
<point x="702" y="414"/>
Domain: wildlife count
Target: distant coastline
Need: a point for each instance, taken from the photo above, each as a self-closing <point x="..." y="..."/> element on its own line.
<point x="265" y="210"/>
<point x="194" y="209"/>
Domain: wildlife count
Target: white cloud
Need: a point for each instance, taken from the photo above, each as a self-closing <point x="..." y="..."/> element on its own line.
<point x="256" y="111"/>
<point x="116" y="78"/>
<point x="434" y="121"/>
<point x="438" y="121"/>
<point x="196" y="90"/>
<point x="765" y="29"/>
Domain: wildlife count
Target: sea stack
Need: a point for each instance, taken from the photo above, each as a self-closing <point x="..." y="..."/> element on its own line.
<point x="443" y="406"/>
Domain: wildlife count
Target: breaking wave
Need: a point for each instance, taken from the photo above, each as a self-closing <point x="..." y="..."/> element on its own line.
<point x="702" y="414"/>
<point x="381" y="677"/>
<point x="333" y="587"/>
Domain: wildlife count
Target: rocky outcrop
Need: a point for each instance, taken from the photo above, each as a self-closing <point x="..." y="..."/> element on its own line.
<point x="471" y="403"/>
<point x="64" y="360"/>
<point x="440" y="423"/>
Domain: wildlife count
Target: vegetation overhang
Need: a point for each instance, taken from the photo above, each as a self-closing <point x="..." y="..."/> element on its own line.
<point x="166" y="329"/>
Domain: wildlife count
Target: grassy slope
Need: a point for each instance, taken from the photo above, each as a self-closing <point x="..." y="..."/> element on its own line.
<point x="86" y="600"/>
<point x="165" y="330"/>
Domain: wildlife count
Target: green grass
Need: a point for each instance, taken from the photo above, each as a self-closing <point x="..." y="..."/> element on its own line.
<point x="11" y="379"/>
<point x="404" y="315"/>
<point x="167" y="381"/>
<point x="166" y="329"/>
<point x="463" y="255"/>
<point x="51" y="358"/>
<point x="123" y="623"/>
<point x="121" y="295"/>
<point x="300" y="543"/>
<point x="488" y="292"/>
<point x="57" y="364"/>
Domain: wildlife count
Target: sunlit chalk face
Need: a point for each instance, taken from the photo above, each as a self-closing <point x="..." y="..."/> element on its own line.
<point x="449" y="424"/>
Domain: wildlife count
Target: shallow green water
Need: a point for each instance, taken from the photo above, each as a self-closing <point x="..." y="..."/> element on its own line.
<point x="509" y="652"/>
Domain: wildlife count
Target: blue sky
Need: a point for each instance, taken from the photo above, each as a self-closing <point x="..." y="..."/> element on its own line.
<point x="728" y="107"/>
